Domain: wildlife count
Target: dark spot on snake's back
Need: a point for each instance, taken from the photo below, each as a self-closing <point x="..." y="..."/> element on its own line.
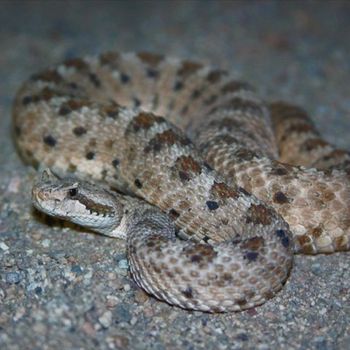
<point x="212" y="205"/>
<point x="138" y="183"/>
<point x="79" y="131"/>
<point x="283" y="236"/>
<point x="137" y="102"/>
<point x="64" y="110"/>
<point x="195" y="94"/>
<point x="90" y="155"/>
<point x="124" y="78"/>
<point x="188" y="293"/>
<point x="115" y="163"/>
<point x="18" y="130"/>
<point x="73" y="85"/>
<point x="280" y="198"/>
<point x="178" y="86"/>
<point x="26" y="100"/>
<point x="184" y="176"/>
<point x="152" y="73"/>
<point x="173" y="214"/>
<point x="251" y="256"/>
<point x="94" y="80"/>
<point x="210" y="100"/>
<point x="50" y="140"/>
<point x="279" y="171"/>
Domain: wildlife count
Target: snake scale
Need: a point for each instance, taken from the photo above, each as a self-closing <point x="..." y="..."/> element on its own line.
<point x="212" y="217"/>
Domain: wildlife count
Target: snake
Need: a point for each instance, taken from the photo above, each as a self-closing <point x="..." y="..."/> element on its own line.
<point x="213" y="188"/>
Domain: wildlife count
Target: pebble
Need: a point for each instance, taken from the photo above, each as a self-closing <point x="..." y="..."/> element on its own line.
<point x="13" y="277"/>
<point x="106" y="319"/>
<point x="123" y="264"/>
<point x="4" y="246"/>
<point x="122" y="313"/>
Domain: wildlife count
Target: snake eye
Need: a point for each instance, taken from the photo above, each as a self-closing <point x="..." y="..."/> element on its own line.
<point x="73" y="192"/>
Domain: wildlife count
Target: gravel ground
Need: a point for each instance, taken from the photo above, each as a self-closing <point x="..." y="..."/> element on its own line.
<point x="63" y="288"/>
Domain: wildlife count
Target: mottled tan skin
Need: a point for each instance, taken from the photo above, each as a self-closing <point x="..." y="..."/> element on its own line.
<point x="120" y="119"/>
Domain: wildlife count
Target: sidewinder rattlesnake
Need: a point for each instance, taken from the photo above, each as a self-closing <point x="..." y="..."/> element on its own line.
<point x="240" y="189"/>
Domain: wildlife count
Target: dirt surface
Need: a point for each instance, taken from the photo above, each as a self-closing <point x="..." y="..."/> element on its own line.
<point x="63" y="288"/>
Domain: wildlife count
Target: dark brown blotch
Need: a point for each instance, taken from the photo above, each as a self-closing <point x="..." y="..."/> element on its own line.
<point x="138" y="183"/>
<point x="200" y="253"/>
<point x="280" y="170"/>
<point x="188" y="68"/>
<point x="72" y="105"/>
<point x="244" y="154"/>
<point x="95" y="80"/>
<point x="49" y="75"/>
<point x="109" y="58"/>
<point x="188" y="164"/>
<point x="280" y="198"/>
<point x="178" y="86"/>
<point x="312" y="144"/>
<point x="90" y="155"/>
<point x="79" y="131"/>
<point x="173" y="214"/>
<point x="166" y="138"/>
<point x="77" y="63"/>
<point x="144" y="121"/>
<point x="115" y="163"/>
<point x="234" y="86"/>
<point x="222" y="191"/>
<point x="150" y="58"/>
<point x="111" y="110"/>
<point x="253" y="244"/>
<point x="215" y="75"/>
<point x="259" y="214"/>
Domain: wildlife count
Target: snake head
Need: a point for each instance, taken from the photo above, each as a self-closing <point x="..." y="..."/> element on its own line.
<point x="78" y="201"/>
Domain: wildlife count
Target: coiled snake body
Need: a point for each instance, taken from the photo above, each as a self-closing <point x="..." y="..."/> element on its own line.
<point x="241" y="189"/>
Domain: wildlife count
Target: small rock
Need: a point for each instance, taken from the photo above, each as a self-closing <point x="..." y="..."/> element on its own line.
<point x="106" y="319"/>
<point x="122" y="314"/>
<point x="13" y="277"/>
<point x="123" y="264"/>
<point x="77" y="269"/>
<point x="140" y="296"/>
<point x="3" y="246"/>
<point x="46" y="243"/>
